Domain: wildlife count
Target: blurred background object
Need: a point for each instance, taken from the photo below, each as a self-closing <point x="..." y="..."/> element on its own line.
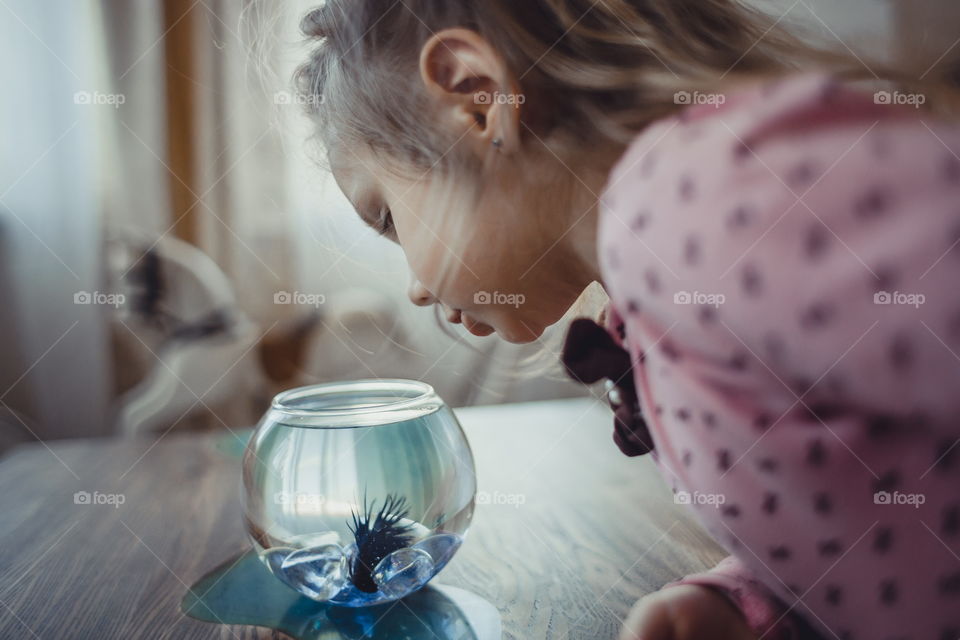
<point x="171" y="251"/>
<point x="172" y="254"/>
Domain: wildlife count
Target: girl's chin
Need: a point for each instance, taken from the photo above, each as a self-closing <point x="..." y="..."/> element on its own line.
<point x="515" y="332"/>
<point x="524" y="334"/>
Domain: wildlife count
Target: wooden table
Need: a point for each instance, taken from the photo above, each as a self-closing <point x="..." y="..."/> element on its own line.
<point x="573" y="532"/>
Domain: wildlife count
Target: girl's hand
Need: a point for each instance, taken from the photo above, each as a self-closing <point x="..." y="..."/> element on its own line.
<point x="685" y="612"/>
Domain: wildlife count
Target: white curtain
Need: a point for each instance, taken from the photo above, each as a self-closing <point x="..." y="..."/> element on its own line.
<point x="54" y="376"/>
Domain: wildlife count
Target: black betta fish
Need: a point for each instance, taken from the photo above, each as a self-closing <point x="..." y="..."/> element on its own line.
<point x="377" y="537"/>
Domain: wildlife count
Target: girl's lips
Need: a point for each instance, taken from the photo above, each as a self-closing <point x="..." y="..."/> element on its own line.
<point x="476" y="328"/>
<point x="457" y="316"/>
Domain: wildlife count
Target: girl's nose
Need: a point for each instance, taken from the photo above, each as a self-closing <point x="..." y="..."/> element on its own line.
<point x="419" y="295"/>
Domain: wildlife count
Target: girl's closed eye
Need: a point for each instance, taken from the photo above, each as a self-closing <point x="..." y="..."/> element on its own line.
<point x="379" y="219"/>
<point x="385" y="223"/>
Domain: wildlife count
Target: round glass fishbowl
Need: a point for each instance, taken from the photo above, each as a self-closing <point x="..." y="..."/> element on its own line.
<point x="358" y="493"/>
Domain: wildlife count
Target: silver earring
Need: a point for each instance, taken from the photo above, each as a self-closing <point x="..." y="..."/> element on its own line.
<point x="497" y="143"/>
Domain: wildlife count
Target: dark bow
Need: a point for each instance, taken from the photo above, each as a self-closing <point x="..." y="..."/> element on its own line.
<point x="590" y="354"/>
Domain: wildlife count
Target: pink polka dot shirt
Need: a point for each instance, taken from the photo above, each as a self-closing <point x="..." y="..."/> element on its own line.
<point x="785" y="270"/>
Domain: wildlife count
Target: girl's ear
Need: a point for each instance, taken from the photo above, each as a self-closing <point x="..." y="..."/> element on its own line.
<point x="473" y="88"/>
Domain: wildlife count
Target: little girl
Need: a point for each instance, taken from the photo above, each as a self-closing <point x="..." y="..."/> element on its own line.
<point x="777" y="240"/>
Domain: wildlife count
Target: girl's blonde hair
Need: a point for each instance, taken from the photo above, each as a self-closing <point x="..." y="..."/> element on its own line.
<point x="591" y="71"/>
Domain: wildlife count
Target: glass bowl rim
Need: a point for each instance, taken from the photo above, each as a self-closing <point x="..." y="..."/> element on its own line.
<point x="424" y="393"/>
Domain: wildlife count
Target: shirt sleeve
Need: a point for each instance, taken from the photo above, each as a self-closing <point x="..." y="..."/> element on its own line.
<point x="852" y="268"/>
<point x="763" y="612"/>
<point x="815" y="237"/>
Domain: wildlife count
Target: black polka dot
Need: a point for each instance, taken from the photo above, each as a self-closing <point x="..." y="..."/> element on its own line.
<point x="687" y="458"/>
<point x="692" y="251"/>
<point x="709" y="420"/>
<point x="658" y="409"/>
<point x="780" y="553"/>
<point x="739" y="217"/>
<point x="806" y="413"/>
<point x="950" y="521"/>
<point x="707" y="315"/>
<point x="640" y="222"/>
<point x="817" y="316"/>
<point x="731" y="511"/>
<point x="830" y="548"/>
<point x="883" y="540"/>
<point x="683" y="414"/>
<point x="834" y="595"/>
<point x="889" y="592"/>
<point x="774" y="346"/>
<point x="831" y="91"/>
<point x="949" y="584"/>
<point x="762" y="422"/>
<point x="802" y="385"/>
<point x="945" y="455"/>
<point x="881" y="427"/>
<point x="768" y="465"/>
<point x="816" y="242"/>
<point x="888" y="481"/>
<point x="901" y="353"/>
<point x="739" y="361"/>
<point x="752" y="281"/>
<point x="822" y="412"/>
<point x="951" y="238"/>
<point x="653" y="281"/>
<point x="918" y="420"/>
<point x="816" y="453"/>
<point x="633" y="306"/>
<point x="873" y="204"/>
<point x="953" y="326"/>
<point x="951" y="169"/>
<point x="771" y="502"/>
<point x="724" y="460"/>
<point x="669" y="349"/>
<point x="884" y="278"/>
<point x="823" y="503"/>
<point x="742" y="151"/>
<point x="801" y="175"/>
<point x="687" y="189"/>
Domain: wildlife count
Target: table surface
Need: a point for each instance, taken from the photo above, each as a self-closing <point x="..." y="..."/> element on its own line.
<point x="572" y="535"/>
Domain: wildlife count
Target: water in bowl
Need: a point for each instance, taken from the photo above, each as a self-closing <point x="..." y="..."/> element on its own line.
<point x="363" y="514"/>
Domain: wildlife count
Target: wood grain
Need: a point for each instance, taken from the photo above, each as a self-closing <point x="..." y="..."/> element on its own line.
<point x="571" y="535"/>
